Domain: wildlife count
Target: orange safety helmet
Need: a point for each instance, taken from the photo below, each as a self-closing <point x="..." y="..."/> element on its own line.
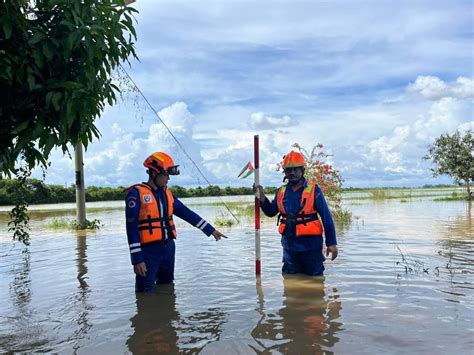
<point x="161" y="163"/>
<point x="293" y="159"/>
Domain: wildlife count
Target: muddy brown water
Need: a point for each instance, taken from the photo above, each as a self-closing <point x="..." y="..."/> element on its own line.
<point x="74" y="292"/>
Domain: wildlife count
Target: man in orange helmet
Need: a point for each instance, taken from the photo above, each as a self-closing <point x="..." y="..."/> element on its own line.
<point x="150" y="227"/>
<point x="302" y="208"/>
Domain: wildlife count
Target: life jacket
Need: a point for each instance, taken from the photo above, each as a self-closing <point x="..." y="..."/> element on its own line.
<point x="305" y="220"/>
<point x="151" y="223"/>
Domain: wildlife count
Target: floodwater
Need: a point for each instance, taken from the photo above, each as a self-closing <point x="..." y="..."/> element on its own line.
<point x="403" y="282"/>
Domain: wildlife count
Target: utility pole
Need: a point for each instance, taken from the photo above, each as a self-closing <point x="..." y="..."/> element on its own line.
<point x="80" y="189"/>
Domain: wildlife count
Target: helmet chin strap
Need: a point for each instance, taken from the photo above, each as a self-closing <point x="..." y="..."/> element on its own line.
<point x="153" y="178"/>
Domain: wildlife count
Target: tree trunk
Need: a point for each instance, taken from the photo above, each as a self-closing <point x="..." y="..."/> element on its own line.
<point x="80" y="188"/>
<point x="469" y="197"/>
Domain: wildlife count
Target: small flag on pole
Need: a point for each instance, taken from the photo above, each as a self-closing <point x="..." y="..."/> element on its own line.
<point x="246" y="171"/>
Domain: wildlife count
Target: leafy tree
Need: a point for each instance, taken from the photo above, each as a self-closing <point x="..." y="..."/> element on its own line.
<point x="179" y="191"/>
<point x="453" y="155"/>
<point x="56" y="62"/>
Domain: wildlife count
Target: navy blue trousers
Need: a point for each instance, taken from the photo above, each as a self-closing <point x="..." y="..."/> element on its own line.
<point x="159" y="261"/>
<point x="303" y="262"/>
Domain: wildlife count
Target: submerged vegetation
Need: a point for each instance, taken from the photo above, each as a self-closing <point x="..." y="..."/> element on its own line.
<point x="64" y="223"/>
<point x="449" y="193"/>
<point x="455" y="196"/>
<point x="414" y="265"/>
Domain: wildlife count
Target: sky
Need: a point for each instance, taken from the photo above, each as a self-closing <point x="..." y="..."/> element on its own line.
<point x="375" y="82"/>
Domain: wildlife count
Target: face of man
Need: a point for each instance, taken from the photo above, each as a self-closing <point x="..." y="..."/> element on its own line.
<point x="294" y="174"/>
<point x="160" y="180"/>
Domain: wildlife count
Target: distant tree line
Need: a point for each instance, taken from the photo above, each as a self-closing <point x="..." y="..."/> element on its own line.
<point x="39" y="192"/>
<point x="426" y="186"/>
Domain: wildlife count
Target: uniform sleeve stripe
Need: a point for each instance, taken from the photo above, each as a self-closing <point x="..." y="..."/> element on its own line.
<point x="135" y="250"/>
<point x="133" y="245"/>
<point x="200" y="223"/>
<point x="203" y="226"/>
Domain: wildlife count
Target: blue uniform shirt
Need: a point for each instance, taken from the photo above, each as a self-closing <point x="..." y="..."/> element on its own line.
<point x="132" y="210"/>
<point x="292" y="203"/>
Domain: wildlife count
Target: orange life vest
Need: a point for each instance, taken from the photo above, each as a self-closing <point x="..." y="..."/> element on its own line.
<point x="306" y="220"/>
<point x="151" y="223"/>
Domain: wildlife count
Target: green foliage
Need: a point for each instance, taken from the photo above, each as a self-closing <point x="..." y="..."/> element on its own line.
<point x="59" y="223"/>
<point x="63" y="223"/>
<point x="453" y="197"/>
<point x="342" y="216"/>
<point x="378" y="194"/>
<point x="453" y="155"/>
<point x="386" y="194"/>
<point x="56" y="62"/>
<point x="18" y="215"/>
<point x="224" y="220"/>
<point x="94" y="224"/>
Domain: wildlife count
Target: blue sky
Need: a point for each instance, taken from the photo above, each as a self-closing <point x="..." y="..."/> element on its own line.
<point x="374" y="81"/>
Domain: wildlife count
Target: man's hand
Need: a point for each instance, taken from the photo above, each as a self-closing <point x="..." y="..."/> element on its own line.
<point x="258" y="189"/>
<point x="140" y="269"/>
<point x="333" y="250"/>
<point x="218" y="235"/>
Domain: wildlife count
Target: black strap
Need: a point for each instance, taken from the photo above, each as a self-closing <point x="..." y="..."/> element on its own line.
<point x="297" y="218"/>
<point x="143" y="228"/>
<point x="152" y="220"/>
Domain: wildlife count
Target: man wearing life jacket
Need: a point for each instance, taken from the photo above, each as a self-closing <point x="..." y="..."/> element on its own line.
<point x="302" y="208"/>
<point x="150" y="227"/>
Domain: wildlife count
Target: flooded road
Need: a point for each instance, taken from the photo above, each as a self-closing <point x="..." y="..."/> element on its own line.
<point x="403" y="282"/>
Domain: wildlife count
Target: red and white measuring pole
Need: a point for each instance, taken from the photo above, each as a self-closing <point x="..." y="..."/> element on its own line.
<point x="257" y="206"/>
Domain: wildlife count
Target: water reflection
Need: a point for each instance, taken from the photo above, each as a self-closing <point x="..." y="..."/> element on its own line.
<point x="27" y="333"/>
<point x="307" y="322"/>
<point x="155" y="322"/>
<point x="83" y="291"/>
<point x="200" y="329"/>
<point x="159" y="328"/>
<point x="456" y="243"/>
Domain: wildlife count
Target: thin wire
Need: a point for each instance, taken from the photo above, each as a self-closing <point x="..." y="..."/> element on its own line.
<point x="176" y="139"/>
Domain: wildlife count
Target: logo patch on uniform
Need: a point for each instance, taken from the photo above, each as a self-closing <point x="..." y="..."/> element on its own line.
<point x="146" y="198"/>
<point x="132" y="203"/>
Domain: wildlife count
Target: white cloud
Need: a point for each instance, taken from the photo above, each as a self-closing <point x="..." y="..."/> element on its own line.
<point x="258" y="120"/>
<point x="388" y="150"/>
<point x="428" y="87"/>
<point x="442" y="117"/>
<point x="464" y="88"/>
<point x="433" y="88"/>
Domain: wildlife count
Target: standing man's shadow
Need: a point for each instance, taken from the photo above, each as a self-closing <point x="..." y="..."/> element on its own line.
<point x="155" y="322"/>
<point x="307" y="321"/>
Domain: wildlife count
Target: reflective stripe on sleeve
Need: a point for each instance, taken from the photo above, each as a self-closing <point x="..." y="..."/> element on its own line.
<point x="135" y="250"/>
<point x="200" y="223"/>
<point x="134" y="245"/>
<point x="203" y="226"/>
